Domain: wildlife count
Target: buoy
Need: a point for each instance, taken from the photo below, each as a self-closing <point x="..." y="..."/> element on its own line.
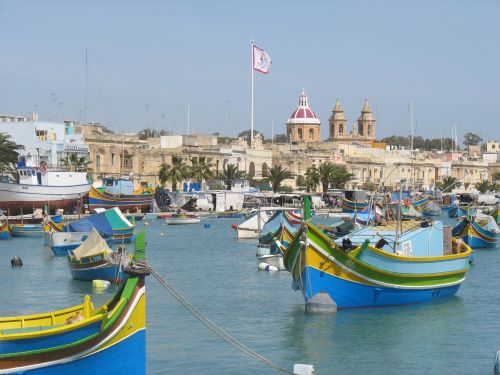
<point x="266" y="267"/>
<point x="16" y="262"/>
<point x="161" y="234"/>
<point x="321" y="303"/>
<point x="100" y="284"/>
<point x="146" y="223"/>
<point x="206" y="225"/>
<point x="302" y="369"/>
<point x="497" y="363"/>
<point x="234" y="226"/>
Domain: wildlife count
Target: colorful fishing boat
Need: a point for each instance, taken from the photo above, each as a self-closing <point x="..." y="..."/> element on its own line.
<point x="277" y="233"/>
<point x="427" y="206"/>
<point x="110" y="339"/>
<point x="459" y="211"/>
<point x="448" y="201"/>
<point x="182" y="218"/>
<point x="406" y="267"/>
<point x="4" y="231"/>
<point x="120" y="193"/>
<point x="477" y="231"/>
<point x="111" y="224"/>
<point x="27" y="230"/>
<point x="93" y="259"/>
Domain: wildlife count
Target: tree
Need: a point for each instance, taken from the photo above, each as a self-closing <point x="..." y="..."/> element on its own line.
<point x="75" y="163"/>
<point x="229" y="173"/>
<point x="369" y="186"/>
<point x="9" y="152"/>
<point x="325" y="172"/>
<point x="201" y="169"/>
<point x="246" y="134"/>
<point x="280" y="138"/>
<point x="495" y="177"/>
<point x="448" y="183"/>
<point x="277" y="175"/>
<point x="312" y="178"/>
<point x="483" y="186"/>
<point x="300" y="181"/>
<point x="340" y="177"/>
<point x="471" y="139"/>
<point x="176" y="172"/>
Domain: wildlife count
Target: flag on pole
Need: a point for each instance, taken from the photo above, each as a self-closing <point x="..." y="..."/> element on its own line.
<point x="261" y="60"/>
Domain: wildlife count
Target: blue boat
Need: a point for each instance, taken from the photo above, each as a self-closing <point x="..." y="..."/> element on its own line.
<point x="95" y="260"/>
<point x="459" y="211"/>
<point x="27" y="230"/>
<point x="477" y="231"/>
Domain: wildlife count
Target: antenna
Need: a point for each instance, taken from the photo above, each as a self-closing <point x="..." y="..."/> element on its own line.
<point x="85" y="97"/>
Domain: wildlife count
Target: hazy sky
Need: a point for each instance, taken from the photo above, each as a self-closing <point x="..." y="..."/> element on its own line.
<point x="147" y="60"/>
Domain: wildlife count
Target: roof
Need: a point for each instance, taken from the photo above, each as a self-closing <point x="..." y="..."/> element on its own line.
<point x="303" y="114"/>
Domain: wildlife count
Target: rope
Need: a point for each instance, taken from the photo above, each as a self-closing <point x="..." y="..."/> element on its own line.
<point x="212" y="326"/>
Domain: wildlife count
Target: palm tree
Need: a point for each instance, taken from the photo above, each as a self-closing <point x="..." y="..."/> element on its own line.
<point x="176" y="172"/>
<point x="201" y="169"/>
<point x="229" y="173"/>
<point x="340" y="177"/>
<point x="277" y="175"/>
<point x="75" y="163"/>
<point x="300" y="181"/>
<point x="449" y="182"/>
<point x="9" y="152"/>
<point x="312" y="178"/>
<point x="483" y="186"/>
<point x="325" y="171"/>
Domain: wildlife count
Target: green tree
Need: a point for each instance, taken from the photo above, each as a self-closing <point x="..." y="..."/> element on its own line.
<point x="495" y="177"/>
<point x="277" y="175"/>
<point x="300" y="181"/>
<point x="201" y="169"/>
<point x="448" y="183"/>
<point x="75" y="163"/>
<point x="325" y="171"/>
<point x="312" y="178"/>
<point x="229" y="173"/>
<point x="483" y="186"/>
<point x="9" y="152"/>
<point x="471" y="139"/>
<point x="176" y="172"/>
<point x="340" y="177"/>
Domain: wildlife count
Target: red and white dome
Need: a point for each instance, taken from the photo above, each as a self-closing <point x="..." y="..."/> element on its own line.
<point x="303" y="114"/>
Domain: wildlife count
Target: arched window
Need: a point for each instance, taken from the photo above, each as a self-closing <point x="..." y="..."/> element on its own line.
<point x="264" y="169"/>
<point x="360" y="129"/>
<point x="341" y="129"/>
<point x="311" y="134"/>
<point x="369" y="130"/>
<point x="299" y="134"/>
<point x="251" y="169"/>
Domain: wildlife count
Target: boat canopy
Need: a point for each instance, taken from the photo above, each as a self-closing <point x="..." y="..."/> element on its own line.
<point x="106" y="223"/>
<point x="94" y="244"/>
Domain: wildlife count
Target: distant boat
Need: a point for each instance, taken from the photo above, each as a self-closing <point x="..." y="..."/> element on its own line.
<point x="4" y="231"/>
<point x="427" y="206"/>
<point x="182" y="218"/>
<point x="120" y="193"/>
<point x="39" y="188"/>
<point x="477" y="231"/>
<point x="81" y="339"/>
<point x="27" y="230"/>
<point x="93" y="259"/>
<point x="361" y="270"/>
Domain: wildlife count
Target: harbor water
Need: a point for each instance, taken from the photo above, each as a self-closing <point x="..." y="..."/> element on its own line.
<point x="218" y="275"/>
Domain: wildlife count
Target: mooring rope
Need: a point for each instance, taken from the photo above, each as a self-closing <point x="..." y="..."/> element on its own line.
<point x="212" y="326"/>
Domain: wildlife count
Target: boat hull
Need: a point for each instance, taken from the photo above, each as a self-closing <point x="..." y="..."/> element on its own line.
<point x="101" y="199"/>
<point x="22" y="198"/>
<point x="108" y="271"/>
<point x="27" y="230"/>
<point x="179" y="221"/>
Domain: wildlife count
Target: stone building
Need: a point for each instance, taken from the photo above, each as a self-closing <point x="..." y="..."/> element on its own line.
<point x="303" y="125"/>
<point x="363" y="131"/>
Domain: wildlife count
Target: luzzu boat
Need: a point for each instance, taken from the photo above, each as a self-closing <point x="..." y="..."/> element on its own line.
<point x="477" y="231"/>
<point x="459" y="211"/>
<point x="372" y="274"/>
<point x="27" y="230"/>
<point x="352" y="206"/>
<point x="95" y="260"/>
<point x="427" y="206"/>
<point x="120" y="193"/>
<point x="110" y="339"/>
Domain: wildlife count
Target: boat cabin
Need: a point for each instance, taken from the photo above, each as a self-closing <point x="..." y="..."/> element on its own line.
<point x="358" y="196"/>
<point x="39" y="176"/>
<point x="118" y="186"/>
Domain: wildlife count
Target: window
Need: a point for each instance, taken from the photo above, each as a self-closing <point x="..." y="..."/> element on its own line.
<point x="341" y="129"/>
<point x="369" y="130"/>
<point x="299" y="134"/>
<point x="113" y="160"/>
<point x="311" y="134"/>
<point x="98" y="161"/>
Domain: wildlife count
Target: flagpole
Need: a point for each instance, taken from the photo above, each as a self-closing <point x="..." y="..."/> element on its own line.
<point x="251" y="122"/>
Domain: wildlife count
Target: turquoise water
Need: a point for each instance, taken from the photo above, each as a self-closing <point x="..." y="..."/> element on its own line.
<point x="218" y="274"/>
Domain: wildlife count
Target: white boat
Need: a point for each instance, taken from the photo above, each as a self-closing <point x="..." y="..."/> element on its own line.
<point x="252" y="227"/>
<point x="61" y="242"/>
<point x="181" y="218"/>
<point x="38" y="188"/>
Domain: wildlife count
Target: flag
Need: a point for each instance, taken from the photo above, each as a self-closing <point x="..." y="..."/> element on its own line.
<point x="261" y="60"/>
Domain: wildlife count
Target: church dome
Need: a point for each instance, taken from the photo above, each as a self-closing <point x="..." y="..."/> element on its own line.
<point x="303" y="114"/>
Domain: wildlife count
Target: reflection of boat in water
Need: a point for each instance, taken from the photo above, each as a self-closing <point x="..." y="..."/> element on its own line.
<point x="39" y="188"/>
<point x="107" y="339"/>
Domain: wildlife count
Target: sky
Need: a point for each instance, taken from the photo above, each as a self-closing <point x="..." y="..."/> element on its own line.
<point x="148" y="60"/>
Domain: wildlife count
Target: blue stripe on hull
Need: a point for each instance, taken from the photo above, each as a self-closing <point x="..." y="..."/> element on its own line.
<point x="63" y="249"/>
<point x="104" y="273"/>
<point x="126" y="357"/>
<point x="348" y="294"/>
<point x="476" y="242"/>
